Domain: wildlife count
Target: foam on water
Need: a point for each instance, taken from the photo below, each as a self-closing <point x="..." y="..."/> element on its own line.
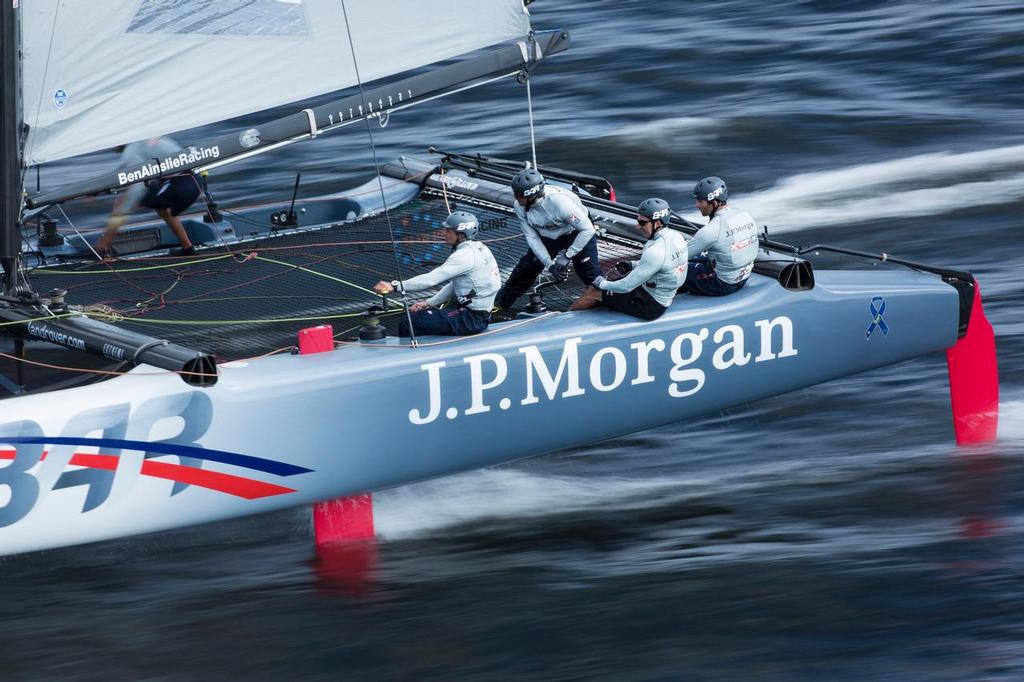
<point x="1011" y="420"/>
<point x="928" y="184"/>
<point x="672" y="134"/>
<point x="493" y="493"/>
<point x="668" y="130"/>
<point x="420" y="509"/>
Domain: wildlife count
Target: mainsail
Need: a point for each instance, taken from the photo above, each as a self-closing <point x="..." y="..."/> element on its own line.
<point x="97" y="77"/>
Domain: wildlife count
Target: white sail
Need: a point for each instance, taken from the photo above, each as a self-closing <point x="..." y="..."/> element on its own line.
<point x="100" y="74"/>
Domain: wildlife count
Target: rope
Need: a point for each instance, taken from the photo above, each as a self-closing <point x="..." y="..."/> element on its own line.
<point x="314" y="272"/>
<point x="444" y="193"/>
<point x="262" y="320"/>
<point x="376" y="164"/>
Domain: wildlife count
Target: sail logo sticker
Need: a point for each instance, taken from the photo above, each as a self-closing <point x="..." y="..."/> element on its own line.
<point x="549" y="374"/>
<point x="876" y="317"/>
<point x="249" y="138"/>
<point x="456" y="181"/>
<point x="60" y="98"/>
<point x="181" y="161"/>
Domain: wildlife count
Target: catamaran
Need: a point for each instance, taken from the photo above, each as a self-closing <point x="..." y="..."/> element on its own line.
<point x="210" y="407"/>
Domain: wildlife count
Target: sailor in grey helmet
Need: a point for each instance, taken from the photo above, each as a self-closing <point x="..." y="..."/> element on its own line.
<point x="470" y="277"/>
<point x="557" y="230"/>
<point x="729" y="241"/>
<point x="644" y="288"/>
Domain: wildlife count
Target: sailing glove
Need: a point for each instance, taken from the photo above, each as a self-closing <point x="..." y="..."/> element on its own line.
<point x="559" y="268"/>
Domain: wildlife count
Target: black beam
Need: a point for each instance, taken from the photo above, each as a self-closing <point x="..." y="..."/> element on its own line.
<point x="106" y="340"/>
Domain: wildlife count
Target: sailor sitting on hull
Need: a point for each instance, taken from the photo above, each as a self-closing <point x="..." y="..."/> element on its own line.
<point x="644" y="288"/>
<point x="729" y="238"/>
<point x="470" y="273"/>
<point x="558" y="231"/>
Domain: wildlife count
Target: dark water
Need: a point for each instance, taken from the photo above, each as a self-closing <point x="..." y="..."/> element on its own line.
<point x="832" y="533"/>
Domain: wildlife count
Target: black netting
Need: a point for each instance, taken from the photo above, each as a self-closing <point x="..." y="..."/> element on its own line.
<point x="247" y="299"/>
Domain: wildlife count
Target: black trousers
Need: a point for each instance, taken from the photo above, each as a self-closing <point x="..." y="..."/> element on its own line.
<point x="176" y="193"/>
<point x="638" y="303"/>
<point x="441" y="322"/>
<point x="529" y="266"/>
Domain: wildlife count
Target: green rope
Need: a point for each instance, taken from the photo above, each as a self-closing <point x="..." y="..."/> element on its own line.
<point x="266" y="320"/>
<point x="106" y="271"/>
<point x="314" y="272"/>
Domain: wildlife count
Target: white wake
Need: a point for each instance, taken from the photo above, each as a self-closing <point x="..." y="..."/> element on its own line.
<point x="412" y="510"/>
<point x="928" y="184"/>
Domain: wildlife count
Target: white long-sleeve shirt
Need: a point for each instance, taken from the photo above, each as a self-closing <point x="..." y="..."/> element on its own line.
<point x="557" y="213"/>
<point x="730" y="239"/>
<point x="469" y="268"/>
<point x="662" y="263"/>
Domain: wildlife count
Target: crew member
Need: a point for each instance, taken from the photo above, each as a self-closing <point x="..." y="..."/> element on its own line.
<point x="470" y="276"/>
<point x="169" y="196"/>
<point x="557" y="230"/>
<point x="729" y="241"/>
<point x="644" y="288"/>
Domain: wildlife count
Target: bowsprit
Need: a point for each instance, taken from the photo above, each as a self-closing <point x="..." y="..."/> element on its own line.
<point x="877" y="308"/>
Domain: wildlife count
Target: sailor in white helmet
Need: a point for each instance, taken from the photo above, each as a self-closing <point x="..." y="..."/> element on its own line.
<point x="644" y="288"/>
<point x="558" y="231"/>
<point x="729" y="241"/>
<point x="470" y="277"/>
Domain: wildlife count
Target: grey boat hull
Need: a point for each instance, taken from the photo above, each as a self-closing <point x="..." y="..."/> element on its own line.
<point x="145" y="452"/>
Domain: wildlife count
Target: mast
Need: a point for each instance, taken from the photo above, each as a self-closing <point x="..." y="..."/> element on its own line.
<point x="10" y="148"/>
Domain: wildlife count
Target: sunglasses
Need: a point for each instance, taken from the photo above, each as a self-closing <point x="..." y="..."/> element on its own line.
<point x="643" y="221"/>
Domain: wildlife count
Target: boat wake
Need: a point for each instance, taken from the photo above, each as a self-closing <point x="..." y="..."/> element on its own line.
<point x="929" y="184"/>
<point x="414" y="510"/>
<point x="1011" y="421"/>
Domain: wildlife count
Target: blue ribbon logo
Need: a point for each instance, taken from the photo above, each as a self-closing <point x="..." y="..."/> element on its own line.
<point x="876" y="317"/>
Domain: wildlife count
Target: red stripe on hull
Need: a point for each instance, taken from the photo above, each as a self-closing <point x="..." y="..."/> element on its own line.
<point x="238" y="486"/>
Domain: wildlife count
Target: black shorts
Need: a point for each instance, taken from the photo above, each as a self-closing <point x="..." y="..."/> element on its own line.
<point x="176" y="194"/>
<point x="637" y="303"/>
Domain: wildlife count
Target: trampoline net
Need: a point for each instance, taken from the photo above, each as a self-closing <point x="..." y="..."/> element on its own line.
<point x="247" y="299"/>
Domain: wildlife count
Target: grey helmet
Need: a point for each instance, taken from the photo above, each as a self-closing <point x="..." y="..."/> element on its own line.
<point x="463" y="223"/>
<point x="711" y="188"/>
<point x="527" y="183"/>
<point x="655" y="209"/>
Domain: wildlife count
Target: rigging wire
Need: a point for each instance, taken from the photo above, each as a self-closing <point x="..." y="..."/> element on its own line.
<point x="529" y="107"/>
<point x="529" y="100"/>
<point x="380" y="181"/>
